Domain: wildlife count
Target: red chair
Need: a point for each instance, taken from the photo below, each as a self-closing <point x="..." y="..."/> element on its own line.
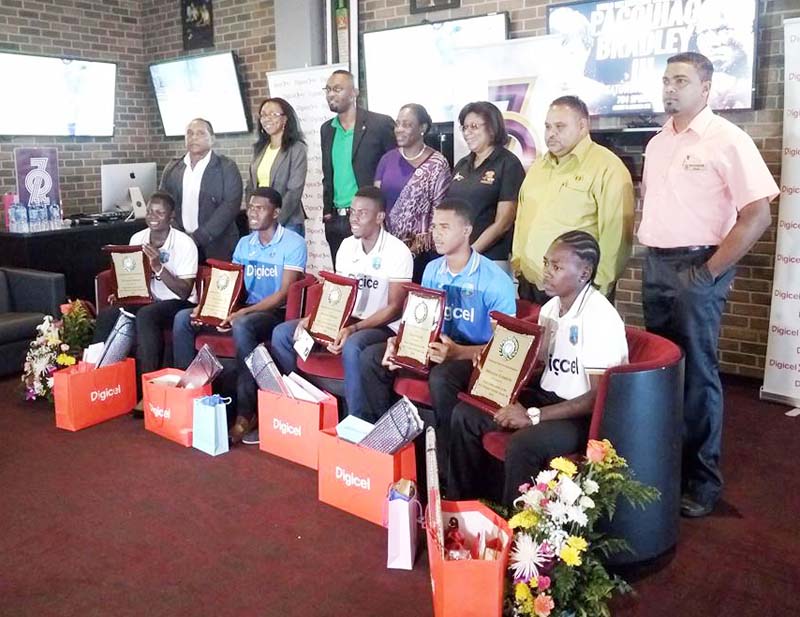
<point x="416" y="387"/>
<point x="639" y="407"/>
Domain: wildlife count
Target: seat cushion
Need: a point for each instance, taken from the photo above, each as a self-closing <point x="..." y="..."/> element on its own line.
<point x="415" y="388"/>
<point x="19" y="326"/>
<point x="322" y="364"/>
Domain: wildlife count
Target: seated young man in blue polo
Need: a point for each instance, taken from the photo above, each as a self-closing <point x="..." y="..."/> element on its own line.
<point x="474" y="286"/>
<point x="382" y="264"/>
<point x="273" y="258"/>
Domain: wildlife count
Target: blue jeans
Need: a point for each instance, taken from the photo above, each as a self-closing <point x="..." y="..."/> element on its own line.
<point x="247" y="331"/>
<point x="284" y="355"/>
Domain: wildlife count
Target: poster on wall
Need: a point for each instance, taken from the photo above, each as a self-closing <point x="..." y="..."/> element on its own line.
<point x="197" y="17"/>
<point x="37" y="175"/>
<point x="521" y="78"/>
<point x="782" y="365"/>
<point x="303" y="87"/>
<point x="614" y="52"/>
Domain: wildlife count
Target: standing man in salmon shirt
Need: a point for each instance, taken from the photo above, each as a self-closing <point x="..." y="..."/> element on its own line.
<point x="706" y="194"/>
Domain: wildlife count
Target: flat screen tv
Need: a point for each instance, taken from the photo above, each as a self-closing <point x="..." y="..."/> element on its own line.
<point x="614" y="52"/>
<point x="54" y="96"/>
<point x="204" y="86"/>
<point x="413" y="64"/>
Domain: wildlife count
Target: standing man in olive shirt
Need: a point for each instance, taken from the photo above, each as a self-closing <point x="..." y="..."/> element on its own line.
<point x="576" y="185"/>
<point x="352" y="144"/>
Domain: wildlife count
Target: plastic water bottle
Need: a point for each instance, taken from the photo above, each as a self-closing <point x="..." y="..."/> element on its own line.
<point x="35" y="218"/>
<point x="55" y="215"/>
<point x="20" y="218"/>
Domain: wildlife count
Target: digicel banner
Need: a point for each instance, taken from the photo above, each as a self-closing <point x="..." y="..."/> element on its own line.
<point x="782" y="367"/>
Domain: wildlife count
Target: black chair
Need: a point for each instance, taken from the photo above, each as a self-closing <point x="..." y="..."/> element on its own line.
<point x="26" y="296"/>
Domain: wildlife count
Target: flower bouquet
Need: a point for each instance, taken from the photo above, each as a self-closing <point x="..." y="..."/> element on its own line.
<point x="58" y="343"/>
<point x="556" y="556"/>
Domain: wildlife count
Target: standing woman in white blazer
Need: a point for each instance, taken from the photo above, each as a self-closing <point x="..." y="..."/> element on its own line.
<point x="280" y="160"/>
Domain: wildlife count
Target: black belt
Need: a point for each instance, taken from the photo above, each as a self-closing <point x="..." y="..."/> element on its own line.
<point x="680" y="250"/>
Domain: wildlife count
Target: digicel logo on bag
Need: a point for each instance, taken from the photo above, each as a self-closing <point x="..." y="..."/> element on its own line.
<point x="102" y="395"/>
<point x="160" y="412"/>
<point x="286" y="429"/>
<point x="350" y="479"/>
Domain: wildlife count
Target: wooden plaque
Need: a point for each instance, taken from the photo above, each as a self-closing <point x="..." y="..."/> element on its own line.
<point x="505" y="364"/>
<point x="334" y="308"/>
<point x="130" y="273"/>
<point x="222" y="288"/>
<point x="420" y="325"/>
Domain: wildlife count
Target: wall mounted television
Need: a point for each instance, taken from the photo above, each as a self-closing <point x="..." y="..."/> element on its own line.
<point x="614" y="52"/>
<point x="205" y="86"/>
<point x="413" y="64"/>
<point x="56" y="96"/>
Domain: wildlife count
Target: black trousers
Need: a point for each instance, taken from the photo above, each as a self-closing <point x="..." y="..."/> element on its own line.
<point x="151" y="322"/>
<point x="475" y="474"/>
<point x="445" y="381"/>
<point x="685" y="305"/>
<point x="337" y="228"/>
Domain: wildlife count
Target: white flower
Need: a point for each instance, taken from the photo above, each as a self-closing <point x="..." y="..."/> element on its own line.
<point x="545" y="476"/>
<point x="576" y="515"/>
<point x="568" y="491"/>
<point x="527" y="557"/>
<point x="558" y="512"/>
<point x="590" y="487"/>
<point x="532" y="500"/>
<point x="587" y="503"/>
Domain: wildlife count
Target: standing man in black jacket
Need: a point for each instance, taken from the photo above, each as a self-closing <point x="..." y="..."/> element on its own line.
<point x="207" y="188"/>
<point x="352" y="144"/>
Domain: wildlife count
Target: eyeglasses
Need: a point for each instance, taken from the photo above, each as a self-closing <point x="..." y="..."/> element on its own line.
<point x="472" y="127"/>
<point x="272" y="114"/>
<point x="335" y="89"/>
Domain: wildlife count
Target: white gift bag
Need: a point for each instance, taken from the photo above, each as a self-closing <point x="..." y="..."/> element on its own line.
<point x="403" y="521"/>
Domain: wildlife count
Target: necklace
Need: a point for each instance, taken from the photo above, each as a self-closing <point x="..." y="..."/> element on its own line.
<point x="412" y="158"/>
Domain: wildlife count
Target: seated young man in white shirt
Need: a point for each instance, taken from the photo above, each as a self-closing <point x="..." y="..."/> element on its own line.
<point x="585" y="336"/>
<point x="173" y="261"/>
<point x="382" y="264"/>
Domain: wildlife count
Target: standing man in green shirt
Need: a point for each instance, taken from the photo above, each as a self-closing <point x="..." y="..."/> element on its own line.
<point x="352" y="144"/>
<point x="576" y="185"/>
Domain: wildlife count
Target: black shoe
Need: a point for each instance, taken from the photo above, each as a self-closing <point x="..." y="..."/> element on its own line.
<point x="693" y="509"/>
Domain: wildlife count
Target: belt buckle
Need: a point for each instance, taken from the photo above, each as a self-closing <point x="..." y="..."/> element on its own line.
<point x="341" y="211"/>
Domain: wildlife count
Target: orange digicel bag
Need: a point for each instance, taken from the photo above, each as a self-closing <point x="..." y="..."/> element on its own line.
<point x="169" y="411"/>
<point x="471" y="587"/>
<point x="85" y="395"/>
<point x="355" y="479"/>
<point x="289" y="428"/>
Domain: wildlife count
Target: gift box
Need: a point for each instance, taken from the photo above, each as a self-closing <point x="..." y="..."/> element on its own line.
<point x="168" y="410"/>
<point x="355" y="479"/>
<point x="85" y="395"/>
<point x="289" y="428"/>
<point x="470" y="587"/>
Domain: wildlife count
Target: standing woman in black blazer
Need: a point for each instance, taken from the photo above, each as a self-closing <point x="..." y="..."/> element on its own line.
<point x="280" y="160"/>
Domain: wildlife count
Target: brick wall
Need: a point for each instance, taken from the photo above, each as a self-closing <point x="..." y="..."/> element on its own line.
<point x="132" y="34"/>
<point x="745" y="323"/>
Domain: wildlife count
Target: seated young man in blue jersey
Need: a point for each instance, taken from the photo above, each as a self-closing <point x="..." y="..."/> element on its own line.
<point x="474" y="286"/>
<point x="273" y="258"/>
<point x="382" y="264"/>
<point x="585" y="335"/>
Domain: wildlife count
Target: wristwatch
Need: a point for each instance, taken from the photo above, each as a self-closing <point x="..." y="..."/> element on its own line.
<point x="534" y="415"/>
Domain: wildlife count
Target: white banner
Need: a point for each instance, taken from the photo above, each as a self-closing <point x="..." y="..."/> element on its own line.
<point x="782" y="367"/>
<point x="303" y="89"/>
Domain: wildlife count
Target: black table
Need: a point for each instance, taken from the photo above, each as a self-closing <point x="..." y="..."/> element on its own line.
<point x="73" y="251"/>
